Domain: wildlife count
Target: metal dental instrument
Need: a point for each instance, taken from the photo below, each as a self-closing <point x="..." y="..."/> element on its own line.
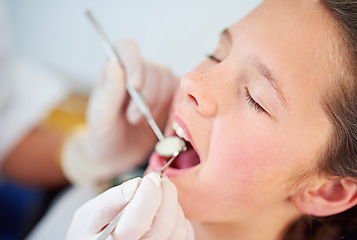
<point x="166" y="147"/>
<point x="114" y="58"/>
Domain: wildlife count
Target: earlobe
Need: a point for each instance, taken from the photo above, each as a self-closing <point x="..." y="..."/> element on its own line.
<point x="327" y="199"/>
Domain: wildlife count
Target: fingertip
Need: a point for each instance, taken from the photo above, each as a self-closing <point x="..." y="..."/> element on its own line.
<point x="129" y="188"/>
<point x="135" y="79"/>
<point x="116" y="68"/>
<point x="113" y="73"/>
<point x="164" y="177"/>
<point x="133" y="114"/>
<point x="154" y="177"/>
<point x="131" y="59"/>
<point x="151" y="183"/>
<point x="125" y="43"/>
<point x="168" y="187"/>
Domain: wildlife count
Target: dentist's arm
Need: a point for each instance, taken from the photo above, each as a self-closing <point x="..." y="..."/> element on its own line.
<point x="152" y="213"/>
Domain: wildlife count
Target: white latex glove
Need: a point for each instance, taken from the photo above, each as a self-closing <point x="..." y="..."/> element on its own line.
<point x="153" y="213"/>
<point x="119" y="138"/>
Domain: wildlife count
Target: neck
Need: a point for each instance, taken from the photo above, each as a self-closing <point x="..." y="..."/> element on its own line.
<point x="263" y="226"/>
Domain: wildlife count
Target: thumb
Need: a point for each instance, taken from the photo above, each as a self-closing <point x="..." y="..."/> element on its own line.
<point x="140" y="212"/>
<point x="130" y="56"/>
<point x="107" y="97"/>
<point x="98" y="212"/>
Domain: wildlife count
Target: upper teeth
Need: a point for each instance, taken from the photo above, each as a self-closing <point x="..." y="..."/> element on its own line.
<point x="179" y="131"/>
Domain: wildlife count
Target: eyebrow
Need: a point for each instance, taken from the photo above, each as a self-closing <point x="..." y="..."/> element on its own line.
<point x="272" y="80"/>
<point x="262" y="69"/>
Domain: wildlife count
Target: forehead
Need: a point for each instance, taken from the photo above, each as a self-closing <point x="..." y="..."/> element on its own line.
<point x="299" y="39"/>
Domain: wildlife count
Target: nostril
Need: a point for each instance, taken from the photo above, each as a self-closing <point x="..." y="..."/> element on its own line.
<point x="193" y="99"/>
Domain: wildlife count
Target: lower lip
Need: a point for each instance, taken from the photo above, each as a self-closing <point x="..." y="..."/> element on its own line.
<point x="156" y="163"/>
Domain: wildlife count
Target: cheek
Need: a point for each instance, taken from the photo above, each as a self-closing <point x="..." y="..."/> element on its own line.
<point x="249" y="163"/>
<point x="245" y="152"/>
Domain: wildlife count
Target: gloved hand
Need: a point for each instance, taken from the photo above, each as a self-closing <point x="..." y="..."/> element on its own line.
<point x="153" y="213"/>
<point x="119" y="138"/>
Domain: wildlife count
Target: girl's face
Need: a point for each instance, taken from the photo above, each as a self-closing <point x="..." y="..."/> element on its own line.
<point x="253" y="114"/>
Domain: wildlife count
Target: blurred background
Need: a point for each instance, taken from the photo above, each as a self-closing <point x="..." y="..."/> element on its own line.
<point x="49" y="59"/>
<point x="176" y="33"/>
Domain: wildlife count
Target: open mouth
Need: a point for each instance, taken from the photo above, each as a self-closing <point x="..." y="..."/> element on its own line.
<point x="184" y="161"/>
<point x="188" y="158"/>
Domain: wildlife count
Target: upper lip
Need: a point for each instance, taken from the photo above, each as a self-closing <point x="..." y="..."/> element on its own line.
<point x="183" y="125"/>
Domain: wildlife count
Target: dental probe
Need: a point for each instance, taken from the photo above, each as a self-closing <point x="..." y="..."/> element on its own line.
<point x="111" y="226"/>
<point x="114" y="58"/>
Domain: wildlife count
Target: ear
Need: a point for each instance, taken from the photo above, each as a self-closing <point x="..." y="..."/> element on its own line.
<point x="328" y="198"/>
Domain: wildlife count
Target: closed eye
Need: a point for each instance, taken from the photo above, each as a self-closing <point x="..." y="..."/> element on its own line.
<point x="212" y="57"/>
<point x="253" y="104"/>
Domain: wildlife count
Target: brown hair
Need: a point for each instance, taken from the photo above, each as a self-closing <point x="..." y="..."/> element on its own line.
<point x="340" y="157"/>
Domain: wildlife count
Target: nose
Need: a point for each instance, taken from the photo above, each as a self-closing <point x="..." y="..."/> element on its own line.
<point x="198" y="88"/>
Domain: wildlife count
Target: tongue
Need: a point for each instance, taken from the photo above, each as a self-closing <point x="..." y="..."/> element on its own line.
<point x="186" y="160"/>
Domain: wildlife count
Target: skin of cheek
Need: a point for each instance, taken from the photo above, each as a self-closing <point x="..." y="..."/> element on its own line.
<point x="251" y="161"/>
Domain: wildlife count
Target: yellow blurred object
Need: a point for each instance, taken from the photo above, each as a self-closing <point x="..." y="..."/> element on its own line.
<point x="68" y="115"/>
<point x="67" y="118"/>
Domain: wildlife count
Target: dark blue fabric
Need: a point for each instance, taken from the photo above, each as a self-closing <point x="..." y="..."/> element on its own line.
<point x="20" y="209"/>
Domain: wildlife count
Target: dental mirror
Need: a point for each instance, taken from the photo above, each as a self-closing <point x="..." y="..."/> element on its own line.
<point x="167" y="147"/>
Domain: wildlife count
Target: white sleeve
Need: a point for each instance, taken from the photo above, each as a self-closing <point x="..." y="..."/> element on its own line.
<point x="28" y="91"/>
<point x="33" y="90"/>
<point x="54" y="225"/>
<point x="5" y="47"/>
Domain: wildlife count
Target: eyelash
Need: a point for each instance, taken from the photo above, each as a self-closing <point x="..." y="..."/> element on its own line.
<point x="252" y="103"/>
<point x="212" y="57"/>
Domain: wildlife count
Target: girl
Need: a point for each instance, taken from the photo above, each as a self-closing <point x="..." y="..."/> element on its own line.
<point x="271" y="118"/>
